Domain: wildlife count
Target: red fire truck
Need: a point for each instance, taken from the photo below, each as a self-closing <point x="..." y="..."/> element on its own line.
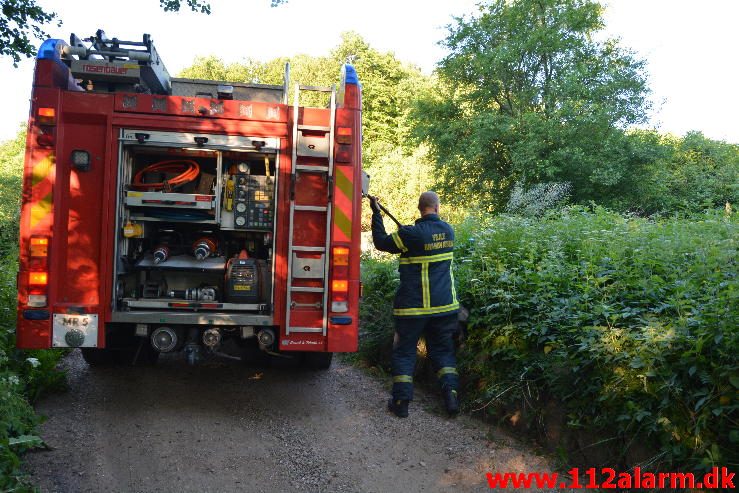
<point x="162" y="214"/>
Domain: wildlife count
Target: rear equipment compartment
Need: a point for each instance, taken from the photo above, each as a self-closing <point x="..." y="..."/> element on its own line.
<point x="195" y="225"/>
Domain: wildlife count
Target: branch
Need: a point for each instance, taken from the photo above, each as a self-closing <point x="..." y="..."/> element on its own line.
<point x="195" y="6"/>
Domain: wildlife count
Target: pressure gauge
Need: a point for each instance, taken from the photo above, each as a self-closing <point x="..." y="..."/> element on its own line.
<point x="240" y="221"/>
<point x="240" y="207"/>
<point x="242" y="167"/>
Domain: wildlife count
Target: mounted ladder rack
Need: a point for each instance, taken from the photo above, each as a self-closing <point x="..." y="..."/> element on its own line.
<point x="315" y="144"/>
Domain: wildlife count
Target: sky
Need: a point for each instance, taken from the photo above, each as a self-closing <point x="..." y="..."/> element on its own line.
<point x="691" y="47"/>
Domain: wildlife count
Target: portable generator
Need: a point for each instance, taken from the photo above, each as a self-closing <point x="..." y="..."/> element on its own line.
<point x="242" y="281"/>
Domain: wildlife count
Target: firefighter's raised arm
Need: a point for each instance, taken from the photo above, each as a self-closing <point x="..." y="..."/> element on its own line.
<point x="397" y="242"/>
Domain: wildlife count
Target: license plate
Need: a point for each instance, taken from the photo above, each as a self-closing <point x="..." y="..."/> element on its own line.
<point x="75" y="330"/>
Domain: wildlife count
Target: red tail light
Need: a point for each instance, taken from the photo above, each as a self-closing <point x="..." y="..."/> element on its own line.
<point x="340" y="280"/>
<point x="344" y="135"/>
<point x="38" y="252"/>
<point x="340" y="286"/>
<point x="39" y="246"/>
<point x="46" y="116"/>
<point x="38" y="278"/>
<point x="344" y="149"/>
<point x="341" y="256"/>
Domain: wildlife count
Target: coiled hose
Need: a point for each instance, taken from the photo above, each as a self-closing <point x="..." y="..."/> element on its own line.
<point x="190" y="170"/>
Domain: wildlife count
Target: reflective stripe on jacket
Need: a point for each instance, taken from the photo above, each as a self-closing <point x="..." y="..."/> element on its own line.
<point x="426" y="278"/>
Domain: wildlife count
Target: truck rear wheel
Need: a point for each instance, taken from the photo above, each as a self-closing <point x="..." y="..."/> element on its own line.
<point x="100" y="357"/>
<point x="318" y="361"/>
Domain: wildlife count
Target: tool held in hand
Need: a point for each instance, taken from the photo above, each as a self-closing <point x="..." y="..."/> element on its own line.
<point x="374" y="202"/>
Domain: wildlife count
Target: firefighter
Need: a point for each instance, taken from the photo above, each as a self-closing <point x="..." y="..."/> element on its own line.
<point x="425" y="303"/>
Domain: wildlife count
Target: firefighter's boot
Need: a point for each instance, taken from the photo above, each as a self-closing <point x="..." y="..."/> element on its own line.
<point x="398" y="407"/>
<point x="451" y="401"/>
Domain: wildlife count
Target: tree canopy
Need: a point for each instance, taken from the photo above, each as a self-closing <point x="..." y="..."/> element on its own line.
<point x="527" y="94"/>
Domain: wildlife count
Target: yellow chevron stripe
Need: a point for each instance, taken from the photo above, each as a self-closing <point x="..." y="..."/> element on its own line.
<point x="343" y="202"/>
<point x="42" y="169"/>
<point x="40" y="209"/>
<point x="343" y="223"/>
<point x="344" y="184"/>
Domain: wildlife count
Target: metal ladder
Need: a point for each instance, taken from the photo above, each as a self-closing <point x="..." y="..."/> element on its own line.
<point x="299" y="150"/>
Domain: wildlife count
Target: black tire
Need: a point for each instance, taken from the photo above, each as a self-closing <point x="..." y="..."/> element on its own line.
<point x="318" y="361"/>
<point x="100" y="357"/>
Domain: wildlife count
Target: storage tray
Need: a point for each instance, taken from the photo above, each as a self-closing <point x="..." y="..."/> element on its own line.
<point x="184" y="262"/>
<point x="174" y="200"/>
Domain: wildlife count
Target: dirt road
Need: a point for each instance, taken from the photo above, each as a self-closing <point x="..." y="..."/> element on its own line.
<point x="224" y="427"/>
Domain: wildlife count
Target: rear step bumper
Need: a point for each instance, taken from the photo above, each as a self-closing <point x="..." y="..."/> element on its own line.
<point x="200" y="318"/>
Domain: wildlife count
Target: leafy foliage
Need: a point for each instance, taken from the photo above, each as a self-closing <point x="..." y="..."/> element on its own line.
<point x="20" y="22"/>
<point x="630" y="324"/>
<point x="195" y="6"/>
<point x="397" y="179"/>
<point x="685" y="174"/>
<point x="626" y="324"/>
<point x="380" y="281"/>
<point x="528" y="95"/>
<point x="11" y="172"/>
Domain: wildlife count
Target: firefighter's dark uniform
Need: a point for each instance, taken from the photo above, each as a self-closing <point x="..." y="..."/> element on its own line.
<point x="426" y="300"/>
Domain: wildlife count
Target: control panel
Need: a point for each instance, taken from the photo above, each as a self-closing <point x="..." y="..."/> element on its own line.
<point x="253" y="200"/>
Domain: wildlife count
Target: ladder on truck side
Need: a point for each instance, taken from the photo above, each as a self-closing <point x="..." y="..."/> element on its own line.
<point x="308" y="252"/>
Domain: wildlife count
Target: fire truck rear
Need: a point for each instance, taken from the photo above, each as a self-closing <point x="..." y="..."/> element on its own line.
<point x="164" y="214"/>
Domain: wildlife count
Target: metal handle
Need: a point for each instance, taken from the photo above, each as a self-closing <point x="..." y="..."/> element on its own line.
<point x="387" y="213"/>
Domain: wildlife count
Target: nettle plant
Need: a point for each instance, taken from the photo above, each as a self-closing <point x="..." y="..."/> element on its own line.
<point x="628" y="324"/>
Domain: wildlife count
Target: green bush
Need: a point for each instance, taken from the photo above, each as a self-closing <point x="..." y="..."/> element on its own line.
<point x="379" y="282"/>
<point x="677" y="174"/>
<point x="628" y="325"/>
<point x="11" y="174"/>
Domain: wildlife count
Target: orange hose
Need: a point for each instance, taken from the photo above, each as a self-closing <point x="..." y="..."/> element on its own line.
<point x="190" y="171"/>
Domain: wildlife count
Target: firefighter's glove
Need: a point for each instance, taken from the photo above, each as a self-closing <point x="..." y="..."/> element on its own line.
<point x="374" y="204"/>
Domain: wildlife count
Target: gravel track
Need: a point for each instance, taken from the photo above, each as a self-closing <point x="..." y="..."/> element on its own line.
<point x="223" y="427"/>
